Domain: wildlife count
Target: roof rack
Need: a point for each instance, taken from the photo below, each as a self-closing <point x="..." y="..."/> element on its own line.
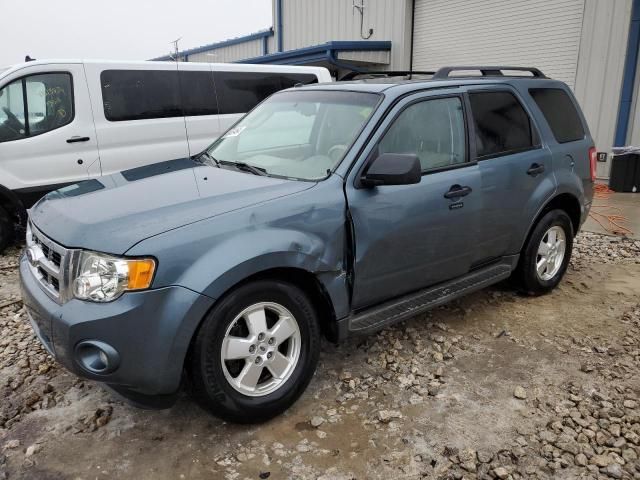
<point x="495" y="71"/>
<point x="389" y="73"/>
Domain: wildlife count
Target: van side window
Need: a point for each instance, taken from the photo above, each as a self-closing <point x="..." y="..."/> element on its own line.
<point x="433" y="130"/>
<point x="140" y="94"/>
<point x="560" y="113"/>
<point x="12" y="115"/>
<point x="35" y="105"/>
<point x="502" y="125"/>
<point x="239" y="92"/>
<point x="198" y="93"/>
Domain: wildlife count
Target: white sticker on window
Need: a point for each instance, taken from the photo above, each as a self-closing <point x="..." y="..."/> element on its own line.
<point x="234" y="132"/>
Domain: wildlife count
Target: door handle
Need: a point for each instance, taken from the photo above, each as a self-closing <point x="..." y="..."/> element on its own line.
<point x="457" y="191"/>
<point x="535" y="169"/>
<point x="78" y="139"/>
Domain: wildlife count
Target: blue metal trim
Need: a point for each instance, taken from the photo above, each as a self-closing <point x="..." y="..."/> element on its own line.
<point x="629" y="77"/>
<point x="301" y="60"/>
<point x="226" y="43"/>
<point x="265" y="45"/>
<point x="279" y="24"/>
<point x="300" y="55"/>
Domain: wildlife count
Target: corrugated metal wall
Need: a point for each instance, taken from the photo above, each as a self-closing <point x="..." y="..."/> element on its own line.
<point x="312" y="22"/>
<point x="376" y="57"/>
<point x="542" y="33"/>
<point x="598" y="83"/>
<point x="231" y="53"/>
<point x="271" y="44"/>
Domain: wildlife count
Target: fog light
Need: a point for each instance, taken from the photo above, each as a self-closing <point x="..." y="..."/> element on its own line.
<point x="97" y="357"/>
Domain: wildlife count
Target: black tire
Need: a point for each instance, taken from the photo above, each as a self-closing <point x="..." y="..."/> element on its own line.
<point x="526" y="273"/>
<point x="6" y="229"/>
<point x="205" y="366"/>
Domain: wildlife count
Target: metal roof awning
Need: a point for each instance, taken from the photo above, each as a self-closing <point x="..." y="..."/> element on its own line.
<point x="364" y="53"/>
<point x="184" y="54"/>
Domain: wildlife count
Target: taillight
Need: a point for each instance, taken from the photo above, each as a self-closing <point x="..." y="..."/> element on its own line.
<point x="593" y="159"/>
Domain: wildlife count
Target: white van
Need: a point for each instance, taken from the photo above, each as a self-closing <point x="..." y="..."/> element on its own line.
<point x="66" y="121"/>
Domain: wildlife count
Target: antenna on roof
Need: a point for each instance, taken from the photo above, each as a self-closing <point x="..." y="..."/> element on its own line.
<point x="28" y="59"/>
<point x="175" y="56"/>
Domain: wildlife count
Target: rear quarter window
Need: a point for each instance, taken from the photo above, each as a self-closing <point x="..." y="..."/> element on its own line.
<point x="239" y="92"/>
<point x="560" y="112"/>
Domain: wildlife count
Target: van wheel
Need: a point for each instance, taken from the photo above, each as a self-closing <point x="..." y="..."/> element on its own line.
<point x="255" y="352"/>
<point x="6" y="229"/>
<point x="545" y="257"/>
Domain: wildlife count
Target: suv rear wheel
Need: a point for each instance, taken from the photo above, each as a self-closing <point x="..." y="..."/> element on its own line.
<point x="256" y="352"/>
<point x="545" y="256"/>
<point x="6" y="229"/>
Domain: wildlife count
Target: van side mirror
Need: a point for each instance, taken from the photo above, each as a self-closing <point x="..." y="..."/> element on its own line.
<point x="392" y="169"/>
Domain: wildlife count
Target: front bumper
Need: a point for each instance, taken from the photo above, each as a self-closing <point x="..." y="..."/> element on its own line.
<point x="150" y="330"/>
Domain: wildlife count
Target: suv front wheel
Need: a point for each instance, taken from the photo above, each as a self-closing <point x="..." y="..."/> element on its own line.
<point x="545" y="256"/>
<point x="256" y="352"/>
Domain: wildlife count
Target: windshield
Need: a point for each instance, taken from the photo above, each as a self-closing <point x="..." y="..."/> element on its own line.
<point x="297" y="134"/>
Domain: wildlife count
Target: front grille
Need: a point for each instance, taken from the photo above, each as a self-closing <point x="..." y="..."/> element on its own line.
<point x="48" y="262"/>
<point x="49" y="253"/>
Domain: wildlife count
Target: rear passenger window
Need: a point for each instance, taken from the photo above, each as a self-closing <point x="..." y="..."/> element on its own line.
<point x="560" y="112"/>
<point x="433" y="130"/>
<point x="502" y="126"/>
<point x="198" y="93"/>
<point x="239" y="92"/>
<point x="140" y="94"/>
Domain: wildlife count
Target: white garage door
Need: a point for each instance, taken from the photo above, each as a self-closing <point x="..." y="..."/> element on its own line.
<point x="538" y="33"/>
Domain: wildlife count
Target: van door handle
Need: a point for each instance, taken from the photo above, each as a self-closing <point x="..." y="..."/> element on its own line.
<point x="457" y="191"/>
<point x="78" y="139"/>
<point x="535" y="169"/>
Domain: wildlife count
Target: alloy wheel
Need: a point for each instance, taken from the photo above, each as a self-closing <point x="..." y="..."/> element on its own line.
<point x="551" y="253"/>
<point x="261" y="349"/>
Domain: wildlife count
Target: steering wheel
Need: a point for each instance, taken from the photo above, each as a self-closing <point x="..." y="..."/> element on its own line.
<point x="12" y="123"/>
<point x="336" y="152"/>
<point x="11" y="116"/>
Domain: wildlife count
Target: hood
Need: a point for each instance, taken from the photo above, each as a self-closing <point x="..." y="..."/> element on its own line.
<point x="113" y="213"/>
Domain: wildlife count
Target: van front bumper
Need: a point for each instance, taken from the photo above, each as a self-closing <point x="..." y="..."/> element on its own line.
<point x="144" y="336"/>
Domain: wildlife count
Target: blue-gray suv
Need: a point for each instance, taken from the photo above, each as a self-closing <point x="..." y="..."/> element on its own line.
<point x="329" y="210"/>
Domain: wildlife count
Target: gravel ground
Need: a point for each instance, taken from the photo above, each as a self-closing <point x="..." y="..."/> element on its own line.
<point x="495" y="385"/>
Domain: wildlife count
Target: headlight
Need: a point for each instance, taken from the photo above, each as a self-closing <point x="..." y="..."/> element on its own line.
<point x="102" y="278"/>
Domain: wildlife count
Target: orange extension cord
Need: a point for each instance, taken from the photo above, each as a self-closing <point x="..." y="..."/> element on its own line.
<point x="608" y="217"/>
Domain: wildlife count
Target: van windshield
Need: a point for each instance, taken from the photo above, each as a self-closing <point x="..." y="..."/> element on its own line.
<point x="296" y="134"/>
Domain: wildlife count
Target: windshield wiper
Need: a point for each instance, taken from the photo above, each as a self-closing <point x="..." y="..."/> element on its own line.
<point x="208" y="156"/>
<point x="245" y="166"/>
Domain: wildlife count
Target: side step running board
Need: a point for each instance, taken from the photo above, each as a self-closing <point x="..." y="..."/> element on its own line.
<point x="399" y="309"/>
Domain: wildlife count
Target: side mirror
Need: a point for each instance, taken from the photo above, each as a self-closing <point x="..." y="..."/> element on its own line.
<point x="392" y="169"/>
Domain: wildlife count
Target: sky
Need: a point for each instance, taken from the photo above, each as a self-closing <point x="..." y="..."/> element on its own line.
<point x="121" y="29"/>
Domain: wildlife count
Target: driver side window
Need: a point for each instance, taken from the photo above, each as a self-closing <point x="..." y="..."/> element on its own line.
<point x="34" y="105"/>
<point x="12" y="117"/>
<point x="431" y="129"/>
